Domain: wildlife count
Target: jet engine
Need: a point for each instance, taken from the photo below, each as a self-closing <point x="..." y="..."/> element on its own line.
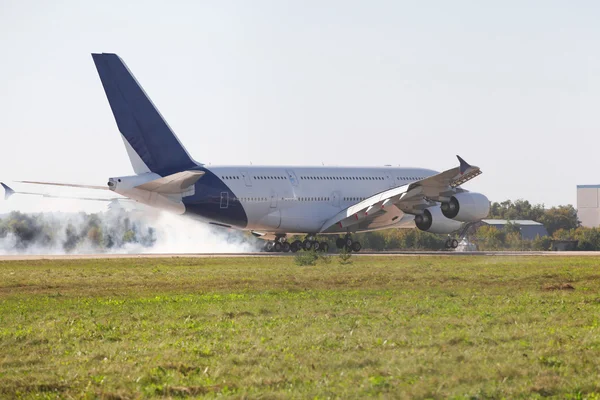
<point x="466" y="207"/>
<point x="432" y="220"/>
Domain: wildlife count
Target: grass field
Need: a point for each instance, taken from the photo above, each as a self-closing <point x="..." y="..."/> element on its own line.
<point x="406" y="327"/>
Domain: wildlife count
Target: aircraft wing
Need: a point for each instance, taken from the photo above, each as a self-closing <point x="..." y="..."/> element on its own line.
<point x="385" y="208"/>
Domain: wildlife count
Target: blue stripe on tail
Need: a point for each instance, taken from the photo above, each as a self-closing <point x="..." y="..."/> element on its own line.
<point x="138" y="119"/>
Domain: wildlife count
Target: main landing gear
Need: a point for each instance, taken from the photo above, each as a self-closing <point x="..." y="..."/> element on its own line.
<point x="310" y="243"/>
<point x="347" y="243"/>
<point x="280" y="244"/>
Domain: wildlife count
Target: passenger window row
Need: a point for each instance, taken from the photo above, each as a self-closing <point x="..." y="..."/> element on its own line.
<point x="275" y="177"/>
<point x="256" y="199"/>
<point x="313" y="198"/>
<point x="343" y="178"/>
<point x="328" y="178"/>
<point x="354" y="198"/>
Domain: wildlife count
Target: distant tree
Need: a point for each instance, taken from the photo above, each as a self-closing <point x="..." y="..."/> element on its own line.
<point x="129" y="236"/>
<point x="490" y="238"/>
<point x="519" y="209"/>
<point x="541" y="243"/>
<point x="71" y="238"/>
<point x="561" y="217"/>
<point x="588" y="238"/>
<point x="94" y="236"/>
<point x="375" y="241"/>
<point x="562" y="234"/>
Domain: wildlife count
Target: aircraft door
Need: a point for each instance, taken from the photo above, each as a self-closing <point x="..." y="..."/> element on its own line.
<point x="390" y="179"/>
<point x="273" y="199"/>
<point x="292" y="177"/>
<point x="224" y="199"/>
<point x="335" y="199"/>
<point x="247" y="178"/>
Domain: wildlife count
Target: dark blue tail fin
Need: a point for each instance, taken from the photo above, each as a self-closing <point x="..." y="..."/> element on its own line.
<point x="150" y="142"/>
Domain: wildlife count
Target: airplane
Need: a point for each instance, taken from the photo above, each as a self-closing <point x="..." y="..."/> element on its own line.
<point x="274" y="202"/>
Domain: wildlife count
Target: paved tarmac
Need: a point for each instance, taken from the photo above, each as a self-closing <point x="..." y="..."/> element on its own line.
<point x="21" y="257"/>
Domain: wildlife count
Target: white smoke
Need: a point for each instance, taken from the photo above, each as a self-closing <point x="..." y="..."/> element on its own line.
<point x="177" y="234"/>
<point x="49" y="229"/>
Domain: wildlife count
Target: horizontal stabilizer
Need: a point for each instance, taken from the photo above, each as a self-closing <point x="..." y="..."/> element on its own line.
<point x="7" y="191"/>
<point x="172" y="184"/>
<point x="65" y="184"/>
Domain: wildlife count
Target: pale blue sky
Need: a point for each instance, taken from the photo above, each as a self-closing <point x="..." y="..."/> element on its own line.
<point x="513" y="87"/>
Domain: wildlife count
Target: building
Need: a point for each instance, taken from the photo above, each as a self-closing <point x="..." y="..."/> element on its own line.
<point x="588" y="209"/>
<point x="529" y="229"/>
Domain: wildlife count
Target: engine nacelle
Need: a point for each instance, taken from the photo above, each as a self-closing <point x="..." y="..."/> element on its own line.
<point x="466" y="207"/>
<point x="432" y="220"/>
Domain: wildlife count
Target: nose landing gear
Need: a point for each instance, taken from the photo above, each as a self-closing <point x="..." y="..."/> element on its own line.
<point x="451" y="243"/>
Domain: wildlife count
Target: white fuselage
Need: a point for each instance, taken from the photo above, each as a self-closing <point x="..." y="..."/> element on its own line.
<point x="283" y="199"/>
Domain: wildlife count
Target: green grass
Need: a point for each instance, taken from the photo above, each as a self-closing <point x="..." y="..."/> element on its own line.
<point x="406" y="327"/>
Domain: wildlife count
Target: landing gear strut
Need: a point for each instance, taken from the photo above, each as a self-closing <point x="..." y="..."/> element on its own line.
<point x="347" y="243"/>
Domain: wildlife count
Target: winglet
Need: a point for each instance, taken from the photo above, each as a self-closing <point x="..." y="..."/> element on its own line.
<point x="7" y="191"/>
<point x="463" y="165"/>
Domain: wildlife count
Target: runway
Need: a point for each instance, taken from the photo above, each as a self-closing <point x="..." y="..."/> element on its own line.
<point x="33" y="257"/>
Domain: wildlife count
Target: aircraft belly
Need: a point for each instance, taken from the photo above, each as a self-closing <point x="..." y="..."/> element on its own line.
<point x="270" y="221"/>
<point x="303" y="219"/>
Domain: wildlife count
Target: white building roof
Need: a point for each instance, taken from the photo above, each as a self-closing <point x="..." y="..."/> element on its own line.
<point x="510" y="221"/>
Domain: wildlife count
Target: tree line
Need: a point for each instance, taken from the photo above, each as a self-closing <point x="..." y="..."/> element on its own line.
<point x="114" y="230"/>
<point x="56" y="232"/>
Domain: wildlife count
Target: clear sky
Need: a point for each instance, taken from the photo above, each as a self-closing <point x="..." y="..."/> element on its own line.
<point x="511" y="86"/>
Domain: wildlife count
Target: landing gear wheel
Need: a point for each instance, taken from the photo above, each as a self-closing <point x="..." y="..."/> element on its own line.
<point x="348" y="242"/>
<point x="295" y="246"/>
<point x="448" y="243"/>
<point x="340" y="243"/>
<point x="454" y="243"/>
<point x="277" y="247"/>
<point x="307" y="245"/>
<point x="317" y="246"/>
<point x="269" y="246"/>
<point x="356" y="246"/>
<point x="285" y="246"/>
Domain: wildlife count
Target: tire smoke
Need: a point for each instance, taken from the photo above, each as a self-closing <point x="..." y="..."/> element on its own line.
<point x="115" y="231"/>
